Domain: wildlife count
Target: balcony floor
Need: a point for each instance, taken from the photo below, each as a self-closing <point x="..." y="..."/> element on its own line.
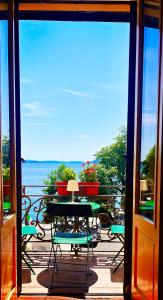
<point x="71" y="277"/>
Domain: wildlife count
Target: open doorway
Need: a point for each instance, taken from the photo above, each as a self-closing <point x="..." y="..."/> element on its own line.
<point x="74" y="101"/>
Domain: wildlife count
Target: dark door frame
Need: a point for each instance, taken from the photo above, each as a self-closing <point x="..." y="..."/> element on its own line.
<point x="84" y="16"/>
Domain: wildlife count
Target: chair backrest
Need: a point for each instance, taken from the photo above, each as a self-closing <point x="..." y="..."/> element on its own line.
<point x="69" y="209"/>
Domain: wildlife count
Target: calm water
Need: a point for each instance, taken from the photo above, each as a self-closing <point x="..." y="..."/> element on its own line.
<point x="36" y="173"/>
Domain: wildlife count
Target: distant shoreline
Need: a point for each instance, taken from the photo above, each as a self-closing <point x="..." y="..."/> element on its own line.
<point x="56" y="161"/>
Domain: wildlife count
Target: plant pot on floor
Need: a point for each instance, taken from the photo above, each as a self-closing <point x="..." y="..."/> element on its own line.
<point x="89" y="188"/>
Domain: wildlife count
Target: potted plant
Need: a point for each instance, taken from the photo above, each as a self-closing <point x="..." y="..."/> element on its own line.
<point x="64" y="174"/>
<point x="89" y="186"/>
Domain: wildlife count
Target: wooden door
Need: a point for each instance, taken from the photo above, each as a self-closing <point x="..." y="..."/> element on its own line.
<point x="146" y="209"/>
<point x="7" y="155"/>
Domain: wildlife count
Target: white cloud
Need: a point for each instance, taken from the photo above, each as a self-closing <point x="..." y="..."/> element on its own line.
<point x="45" y="95"/>
<point x="34" y="109"/>
<point x="31" y="105"/>
<point x="78" y="93"/>
<point x="81" y="136"/>
<point x="69" y="91"/>
<point x="149" y="119"/>
<point x="35" y="124"/>
<point x="112" y="86"/>
<point x="25" y="80"/>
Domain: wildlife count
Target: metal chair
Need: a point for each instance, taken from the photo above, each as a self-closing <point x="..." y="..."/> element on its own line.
<point x="70" y="226"/>
<point x="28" y="232"/>
<point x="118" y="231"/>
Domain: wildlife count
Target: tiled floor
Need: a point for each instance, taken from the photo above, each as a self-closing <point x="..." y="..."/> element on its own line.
<point x="100" y="281"/>
<point x="71" y="277"/>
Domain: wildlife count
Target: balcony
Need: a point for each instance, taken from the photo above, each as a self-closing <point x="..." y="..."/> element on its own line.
<point x="104" y="277"/>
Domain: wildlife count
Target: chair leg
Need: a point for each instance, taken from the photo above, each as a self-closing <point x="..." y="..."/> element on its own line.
<point x="87" y="267"/>
<point x="58" y="246"/>
<point x="117" y="267"/>
<point x="28" y="265"/>
<point x="55" y="268"/>
<point x="50" y="257"/>
<point x="92" y="250"/>
<point x="118" y="253"/>
<point x="28" y="256"/>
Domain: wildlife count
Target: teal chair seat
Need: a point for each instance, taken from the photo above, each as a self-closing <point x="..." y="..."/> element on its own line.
<point x="29" y="230"/>
<point x="117" y="229"/>
<point x="71" y="238"/>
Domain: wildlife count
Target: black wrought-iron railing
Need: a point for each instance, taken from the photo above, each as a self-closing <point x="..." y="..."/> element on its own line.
<point x="110" y="210"/>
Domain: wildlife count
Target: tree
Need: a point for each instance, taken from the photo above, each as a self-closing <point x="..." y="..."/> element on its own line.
<point x="6" y="151"/>
<point x="50" y="181"/>
<point x="148" y="167"/>
<point x="112" y="164"/>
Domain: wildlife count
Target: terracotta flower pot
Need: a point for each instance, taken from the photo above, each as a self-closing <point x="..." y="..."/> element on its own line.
<point x="62" y="189"/>
<point x="89" y="188"/>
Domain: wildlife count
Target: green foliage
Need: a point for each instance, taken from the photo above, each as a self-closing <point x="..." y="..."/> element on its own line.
<point x="51" y="179"/>
<point x="148" y="166"/>
<point x="89" y="173"/>
<point x="6" y="151"/>
<point x="62" y="173"/>
<point x="111" y="163"/>
<point x="103" y="178"/>
<point x="65" y="173"/>
<point x="6" y="173"/>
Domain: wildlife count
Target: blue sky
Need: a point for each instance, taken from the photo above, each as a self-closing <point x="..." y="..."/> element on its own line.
<point x="150" y="90"/>
<point x="4" y="78"/>
<point x="74" y="87"/>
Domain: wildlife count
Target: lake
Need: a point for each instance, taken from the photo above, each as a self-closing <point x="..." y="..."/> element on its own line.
<point x="36" y="172"/>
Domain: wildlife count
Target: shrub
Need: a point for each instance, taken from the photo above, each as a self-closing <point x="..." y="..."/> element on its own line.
<point x="65" y="173"/>
<point x="62" y="173"/>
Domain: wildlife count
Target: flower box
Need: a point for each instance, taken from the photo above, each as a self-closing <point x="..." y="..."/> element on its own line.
<point x="62" y="189"/>
<point x="89" y="188"/>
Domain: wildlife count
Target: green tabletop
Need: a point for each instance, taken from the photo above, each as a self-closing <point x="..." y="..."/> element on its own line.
<point x="6" y="205"/>
<point x="149" y="205"/>
<point x="94" y="205"/>
<point x="145" y="207"/>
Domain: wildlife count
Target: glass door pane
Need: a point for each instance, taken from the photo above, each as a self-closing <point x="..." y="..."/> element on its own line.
<point x="5" y="128"/>
<point x="149" y="116"/>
